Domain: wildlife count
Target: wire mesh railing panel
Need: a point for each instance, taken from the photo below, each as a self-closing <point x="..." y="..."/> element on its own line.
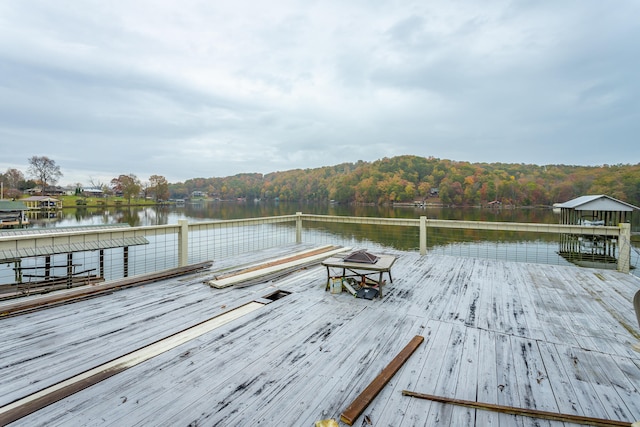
<point x="362" y="236"/>
<point x="77" y="257"/>
<point x="209" y="242"/>
<point x="539" y="248"/>
<point x="634" y="262"/>
<point x="161" y="253"/>
<point x="588" y="247"/>
<point x="86" y="257"/>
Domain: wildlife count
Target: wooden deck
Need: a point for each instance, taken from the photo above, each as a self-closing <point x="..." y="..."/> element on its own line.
<point x="525" y="335"/>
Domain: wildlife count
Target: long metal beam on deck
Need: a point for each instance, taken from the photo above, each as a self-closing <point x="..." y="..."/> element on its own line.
<point x="526" y="412"/>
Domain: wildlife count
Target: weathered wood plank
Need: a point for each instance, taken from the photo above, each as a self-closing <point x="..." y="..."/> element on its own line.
<point x="628" y="389"/>
<point x="304" y="357"/>
<point x="358" y="406"/>
<point x="417" y="413"/>
<point x="461" y="293"/>
<point x="614" y="387"/>
<point x="487" y="386"/>
<point x="534" y="389"/>
<point x="565" y="395"/>
<point x="467" y="381"/>
<point x="297" y="366"/>
<point x="527" y="294"/>
<point x="448" y="375"/>
<point x="514" y="320"/>
<point x="355" y="359"/>
<point x="508" y="391"/>
<point x="442" y="301"/>
<point x="590" y="384"/>
<point x="359" y="368"/>
<point x="199" y="359"/>
<point x="552" y="311"/>
<point x="499" y="305"/>
<point x="393" y="407"/>
<point x="488" y="313"/>
<point x="73" y="352"/>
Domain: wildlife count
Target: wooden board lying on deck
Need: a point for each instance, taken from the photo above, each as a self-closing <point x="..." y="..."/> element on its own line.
<point x="355" y="409"/>
<point x="272" y="266"/>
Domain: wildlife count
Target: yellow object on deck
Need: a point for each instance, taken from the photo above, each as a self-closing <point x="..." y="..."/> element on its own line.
<point x="327" y="423"/>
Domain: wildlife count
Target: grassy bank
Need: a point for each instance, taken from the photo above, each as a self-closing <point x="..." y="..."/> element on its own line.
<point x="102" y="202"/>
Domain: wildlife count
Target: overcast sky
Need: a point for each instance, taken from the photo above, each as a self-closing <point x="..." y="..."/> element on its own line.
<point x="204" y="88"/>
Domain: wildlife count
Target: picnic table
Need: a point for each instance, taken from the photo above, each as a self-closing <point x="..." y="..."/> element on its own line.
<point x="362" y="270"/>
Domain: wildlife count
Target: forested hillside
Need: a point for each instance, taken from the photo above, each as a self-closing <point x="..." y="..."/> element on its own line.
<point x="411" y="178"/>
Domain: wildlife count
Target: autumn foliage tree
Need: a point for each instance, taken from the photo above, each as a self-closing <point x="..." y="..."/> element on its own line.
<point x="127" y="185"/>
<point x="12" y="181"/>
<point x="414" y="178"/>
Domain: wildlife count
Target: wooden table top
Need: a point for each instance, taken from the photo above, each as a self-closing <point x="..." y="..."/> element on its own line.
<point x="383" y="263"/>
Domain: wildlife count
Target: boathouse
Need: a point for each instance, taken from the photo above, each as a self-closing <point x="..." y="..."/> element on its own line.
<point x="592" y="211"/>
<point x="12" y="214"/>
<point x="51" y="263"/>
<point x="42" y="202"/>
<point x="42" y="207"/>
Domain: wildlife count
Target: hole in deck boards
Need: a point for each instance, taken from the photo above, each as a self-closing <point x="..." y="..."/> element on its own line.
<point x="273" y="296"/>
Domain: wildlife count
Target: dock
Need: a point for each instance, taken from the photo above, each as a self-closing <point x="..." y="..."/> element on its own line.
<point x="286" y="352"/>
<point x="41" y="274"/>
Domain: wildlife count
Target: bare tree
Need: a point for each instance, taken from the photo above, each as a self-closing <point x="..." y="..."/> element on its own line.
<point x="144" y="188"/>
<point x="96" y="183"/>
<point x="44" y="170"/>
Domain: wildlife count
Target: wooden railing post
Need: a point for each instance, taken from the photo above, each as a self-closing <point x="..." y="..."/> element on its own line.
<point x="183" y="243"/>
<point x="298" y="227"/>
<point x="624" y="246"/>
<point x="423" y="235"/>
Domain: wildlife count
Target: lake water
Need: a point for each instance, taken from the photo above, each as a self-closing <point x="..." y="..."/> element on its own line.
<point x="502" y="245"/>
<point x="205" y="211"/>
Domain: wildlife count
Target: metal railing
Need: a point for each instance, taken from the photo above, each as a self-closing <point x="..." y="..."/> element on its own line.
<point x="140" y="250"/>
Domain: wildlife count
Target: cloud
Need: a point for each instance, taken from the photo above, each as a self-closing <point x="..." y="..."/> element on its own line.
<point x="200" y="89"/>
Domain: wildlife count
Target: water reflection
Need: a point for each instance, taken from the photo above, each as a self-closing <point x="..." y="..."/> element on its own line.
<point x="211" y="210"/>
<point x="404" y="238"/>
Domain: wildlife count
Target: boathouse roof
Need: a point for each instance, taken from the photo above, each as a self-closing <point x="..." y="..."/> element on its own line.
<point x="40" y="198"/>
<point x="599" y="202"/>
<point x="550" y="338"/>
<point x="89" y="244"/>
<point x="12" y="206"/>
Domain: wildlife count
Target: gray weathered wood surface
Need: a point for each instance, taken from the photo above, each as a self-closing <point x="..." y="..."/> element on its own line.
<point x="535" y="336"/>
